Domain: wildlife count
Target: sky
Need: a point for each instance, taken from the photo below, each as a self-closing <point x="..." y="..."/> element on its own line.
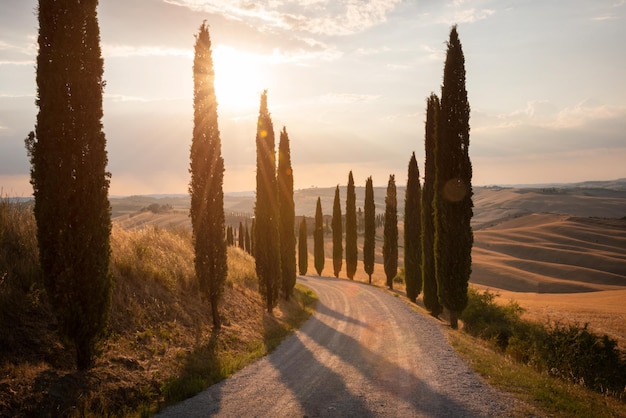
<point x="349" y="81"/>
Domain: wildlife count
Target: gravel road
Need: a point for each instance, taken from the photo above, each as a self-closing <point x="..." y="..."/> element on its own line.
<point x="364" y="353"/>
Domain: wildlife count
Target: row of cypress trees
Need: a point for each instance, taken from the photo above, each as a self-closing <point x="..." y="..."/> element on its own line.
<point x="274" y="212"/>
<point x="438" y="236"/>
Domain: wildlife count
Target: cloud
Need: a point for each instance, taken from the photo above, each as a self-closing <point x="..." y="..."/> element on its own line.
<point x="472" y="15"/>
<point x="17" y="62"/>
<point x="605" y="17"/>
<point x="347" y="98"/>
<point x="542" y="129"/>
<point x="307" y="16"/>
<point x="117" y="51"/>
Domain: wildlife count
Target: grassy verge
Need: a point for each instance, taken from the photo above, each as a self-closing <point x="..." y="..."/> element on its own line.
<point x="540" y="394"/>
<point x="160" y="348"/>
<point x="563" y="371"/>
<point x="214" y="361"/>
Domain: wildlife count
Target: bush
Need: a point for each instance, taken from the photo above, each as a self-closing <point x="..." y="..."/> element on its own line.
<point x="573" y="353"/>
<point x="485" y="319"/>
<point x="570" y="352"/>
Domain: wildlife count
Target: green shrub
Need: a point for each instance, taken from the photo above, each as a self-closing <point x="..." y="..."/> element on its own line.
<point x="573" y="353"/>
<point x="569" y="352"/>
<point x="485" y="319"/>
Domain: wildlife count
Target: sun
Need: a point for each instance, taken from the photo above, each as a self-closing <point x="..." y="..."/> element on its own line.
<point x="239" y="78"/>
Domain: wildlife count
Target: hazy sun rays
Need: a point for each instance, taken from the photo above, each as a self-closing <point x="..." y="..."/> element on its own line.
<point x="240" y="77"/>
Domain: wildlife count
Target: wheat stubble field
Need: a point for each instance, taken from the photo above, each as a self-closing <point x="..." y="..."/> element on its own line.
<point x="559" y="252"/>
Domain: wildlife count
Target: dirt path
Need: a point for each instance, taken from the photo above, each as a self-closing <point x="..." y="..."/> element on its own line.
<point x="364" y="353"/>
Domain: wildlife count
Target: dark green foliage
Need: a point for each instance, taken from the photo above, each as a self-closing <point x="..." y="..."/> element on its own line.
<point x="303" y="251"/>
<point x="287" y="216"/>
<point x="573" y="353"/>
<point x="390" y="242"/>
<point x="230" y="239"/>
<point x="337" y="226"/>
<point x="246" y="240"/>
<point x="68" y="172"/>
<point x="241" y="237"/>
<point x="412" y="232"/>
<point x="369" y="239"/>
<point x="207" y="178"/>
<point x="266" y="210"/>
<point x="318" y="239"/>
<point x="570" y="352"/>
<point x="453" y="208"/>
<point x="429" y="277"/>
<point x="351" y="234"/>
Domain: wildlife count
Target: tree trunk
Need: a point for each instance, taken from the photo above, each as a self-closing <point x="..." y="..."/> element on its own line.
<point x="217" y="323"/>
<point x="454" y="319"/>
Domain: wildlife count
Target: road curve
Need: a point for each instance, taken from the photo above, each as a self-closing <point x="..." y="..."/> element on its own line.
<point x="364" y="353"/>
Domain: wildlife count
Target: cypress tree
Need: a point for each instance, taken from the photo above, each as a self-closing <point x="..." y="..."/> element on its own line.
<point x="241" y="237"/>
<point x="247" y="243"/>
<point x="412" y="232"/>
<point x="318" y="239"/>
<point x="230" y="240"/>
<point x="303" y="252"/>
<point x="390" y="243"/>
<point x="287" y="216"/>
<point x="266" y="228"/>
<point x="369" y="239"/>
<point x="453" y="238"/>
<point x="252" y="238"/>
<point x="429" y="278"/>
<point x="68" y="160"/>
<point x="207" y="177"/>
<point x="337" y="235"/>
<point x="351" y="235"/>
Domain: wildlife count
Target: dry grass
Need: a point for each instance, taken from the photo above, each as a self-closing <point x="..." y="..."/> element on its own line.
<point x="161" y="345"/>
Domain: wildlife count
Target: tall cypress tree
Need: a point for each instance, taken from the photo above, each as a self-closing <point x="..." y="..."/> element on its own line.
<point x="68" y="173"/>
<point x="369" y="239"/>
<point x="241" y="237"/>
<point x="266" y="210"/>
<point x="337" y="226"/>
<point x="303" y="251"/>
<point x="429" y="277"/>
<point x="246" y="241"/>
<point x="412" y="232"/>
<point x="390" y="243"/>
<point x="351" y="235"/>
<point x="287" y="216"/>
<point x="318" y="239"/>
<point x="207" y="177"/>
<point x="454" y="237"/>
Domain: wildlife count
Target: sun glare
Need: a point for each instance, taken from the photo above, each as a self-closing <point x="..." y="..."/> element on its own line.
<point x="239" y="78"/>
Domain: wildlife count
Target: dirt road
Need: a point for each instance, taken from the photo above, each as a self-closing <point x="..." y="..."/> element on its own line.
<point x="364" y="353"/>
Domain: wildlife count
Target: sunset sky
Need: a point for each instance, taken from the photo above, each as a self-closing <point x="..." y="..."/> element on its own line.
<point x="349" y="80"/>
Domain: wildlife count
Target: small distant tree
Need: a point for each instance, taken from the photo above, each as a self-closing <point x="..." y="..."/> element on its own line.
<point x="68" y="173"/>
<point x="429" y="277"/>
<point x="337" y="226"/>
<point x="369" y="239"/>
<point x="412" y="232"/>
<point x="454" y="237"/>
<point x="318" y="239"/>
<point x="266" y="231"/>
<point x="241" y="237"/>
<point x="303" y="252"/>
<point x="207" y="175"/>
<point x="287" y="216"/>
<point x="230" y="239"/>
<point x="351" y="234"/>
<point x="390" y="243"/>
<point x="252" y="238"/>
